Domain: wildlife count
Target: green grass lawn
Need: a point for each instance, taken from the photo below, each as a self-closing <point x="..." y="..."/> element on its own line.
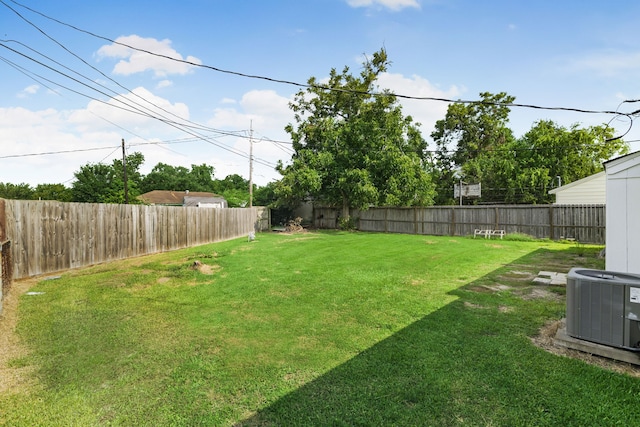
<point x="311" y="329"/>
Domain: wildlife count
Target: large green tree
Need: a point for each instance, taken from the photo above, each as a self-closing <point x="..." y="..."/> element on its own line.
<point x="235" y="190"/>
<point x="354" y="148"/>
<point x="525" y="169"/>
<point x="467" y="132"/>
<point x="53" y="192"/>
<point x="178" y="178"/>
<point x="548" y="152"/>
<point x="101" y="183"/>
<point x="475" y="144"/>
<point x="42" y="192"/>
<point x="16" y="191"/>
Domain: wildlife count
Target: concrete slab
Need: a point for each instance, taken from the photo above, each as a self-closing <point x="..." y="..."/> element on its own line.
<point x="563" y="340"/>
<point x="551" y="278"/>
<point x="559" y="279"/>
<point x="546" y="273"/>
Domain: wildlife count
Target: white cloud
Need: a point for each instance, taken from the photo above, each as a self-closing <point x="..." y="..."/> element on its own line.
<point x="29" y="90"/>
<point x="390" y="4"/>
<point x="98" y="127"/>
<point x="263" y="107"/>
<point x="268" y="113"/>
<point x="26" y="132"/>
<point x="164" y="83"/>
<point x="98" y="115"/>
<point x="426" y="112"/>
<point x="134" y="61"/>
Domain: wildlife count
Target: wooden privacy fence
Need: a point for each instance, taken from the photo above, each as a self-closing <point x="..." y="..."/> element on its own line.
<point x="48" y="236"/>
<point x="584" y="223"/>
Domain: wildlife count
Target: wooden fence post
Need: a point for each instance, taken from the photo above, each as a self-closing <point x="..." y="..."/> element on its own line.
<point x="386" y="223"/>
<point x="6" y="269"/>
<point x="3" y="221"/>
<point x="453" y="222"/>
<point x="551" y="230"/>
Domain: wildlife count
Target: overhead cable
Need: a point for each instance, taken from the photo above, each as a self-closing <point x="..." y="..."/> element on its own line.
<point x="314" y="86"/>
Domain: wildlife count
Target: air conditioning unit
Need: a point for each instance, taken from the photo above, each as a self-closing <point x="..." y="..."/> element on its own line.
<point x="604" y="307"/>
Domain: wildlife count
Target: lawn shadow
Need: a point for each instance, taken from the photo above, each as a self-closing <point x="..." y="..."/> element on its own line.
<point x="470" y="362"/>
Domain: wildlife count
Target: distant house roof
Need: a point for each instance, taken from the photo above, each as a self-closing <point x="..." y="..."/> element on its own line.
<point x="175" y="198"/>
<point x="585" y="191"/>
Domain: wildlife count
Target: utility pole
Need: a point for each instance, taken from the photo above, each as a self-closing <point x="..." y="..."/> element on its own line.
<point x="251" y="164"/>
<point x="124" y="170"/>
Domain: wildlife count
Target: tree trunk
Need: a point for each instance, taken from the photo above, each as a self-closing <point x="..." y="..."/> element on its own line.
<point x="345" y="208"/>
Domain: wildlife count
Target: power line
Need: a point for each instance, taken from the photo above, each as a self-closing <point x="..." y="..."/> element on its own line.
<point x="316" y="86"/>
<point x="46" y="153"/>
<point x="134" y="109"/>
<point x="137" y="108"/>
<point x="93" y="68"/>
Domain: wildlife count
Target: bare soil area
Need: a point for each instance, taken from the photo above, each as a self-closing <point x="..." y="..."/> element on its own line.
<point x="545" y="340"/>
<point x="12" y="378"/>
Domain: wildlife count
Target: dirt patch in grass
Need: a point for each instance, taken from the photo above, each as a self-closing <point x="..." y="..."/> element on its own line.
<point x="545" y="341"/>
<point x="494" y="246"/>
<point x="540" y="293"/>
<point x="13" y="378"/>
<point x="490" y="288"/>
<point x="472" y="305"/>
<point x="523" y="276"/>
<point x="206" y="268"/>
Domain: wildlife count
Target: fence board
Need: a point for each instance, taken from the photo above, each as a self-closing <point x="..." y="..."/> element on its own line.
<point x="584" y="223"/>
<point x="49" y="236"/>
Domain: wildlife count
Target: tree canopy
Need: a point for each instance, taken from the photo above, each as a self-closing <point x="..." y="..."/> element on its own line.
<point x="101" y="183"/>
<point x="354" y="148"/>
<point x="167" y="177"/>
<point x="474" y="144"/>
<point x="467" y="132"/>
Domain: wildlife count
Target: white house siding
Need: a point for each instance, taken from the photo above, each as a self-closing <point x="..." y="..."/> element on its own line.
<point x="623" y="214"/>
<point x="586" y="191"/>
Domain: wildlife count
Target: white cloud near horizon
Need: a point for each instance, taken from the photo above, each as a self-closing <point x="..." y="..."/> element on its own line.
<point x="389" y="4"/>
<point x="134" y="61"/>
<point x="94" y="125"/>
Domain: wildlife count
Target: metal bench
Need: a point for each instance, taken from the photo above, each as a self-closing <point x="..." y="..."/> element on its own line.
<point x="487" y="233"/>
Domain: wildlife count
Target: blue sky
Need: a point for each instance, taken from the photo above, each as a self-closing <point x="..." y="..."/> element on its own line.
<point x="576" y="54"/>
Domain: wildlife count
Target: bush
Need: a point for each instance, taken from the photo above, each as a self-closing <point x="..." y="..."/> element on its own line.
<point x="347" y="223"/>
